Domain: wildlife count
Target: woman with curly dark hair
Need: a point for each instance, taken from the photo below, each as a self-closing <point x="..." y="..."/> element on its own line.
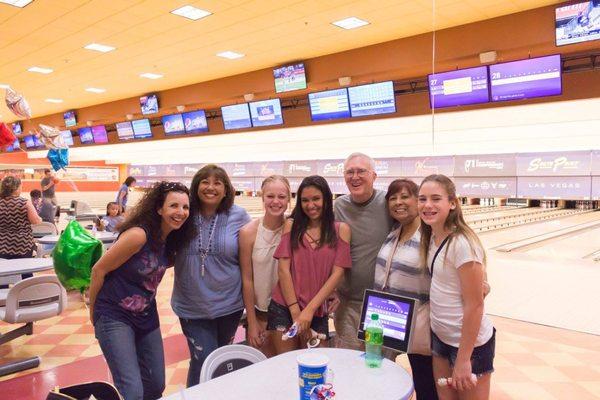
<point x="123" y="290"/>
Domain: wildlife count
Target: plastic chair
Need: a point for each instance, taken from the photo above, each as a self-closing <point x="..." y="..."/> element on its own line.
<point x="227" y="359"/>
<point x="44" y="228"/>
<point x="30" y="300"/>
<point x="83" y="212"/>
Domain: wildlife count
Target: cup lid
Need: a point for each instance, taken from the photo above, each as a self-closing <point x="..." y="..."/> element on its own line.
<point x="312" y="359"/>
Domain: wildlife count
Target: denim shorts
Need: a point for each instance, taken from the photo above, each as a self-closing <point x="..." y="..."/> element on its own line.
<point x="280" y="316"/>
<point x="482" y="359"/>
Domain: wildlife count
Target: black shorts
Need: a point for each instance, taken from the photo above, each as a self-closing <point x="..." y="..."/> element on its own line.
<point x="482" y="359"/>
<point x="280" y="318"/>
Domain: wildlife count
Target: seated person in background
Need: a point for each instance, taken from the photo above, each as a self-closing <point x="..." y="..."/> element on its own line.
<point x="113" y="217"/>
<point x="44" y="207"/>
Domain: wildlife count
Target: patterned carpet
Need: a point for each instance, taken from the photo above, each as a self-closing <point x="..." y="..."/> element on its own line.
<point x="532" y="361"/>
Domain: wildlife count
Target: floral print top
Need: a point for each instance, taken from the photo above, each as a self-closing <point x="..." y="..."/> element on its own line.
<point x="129" y="292"/>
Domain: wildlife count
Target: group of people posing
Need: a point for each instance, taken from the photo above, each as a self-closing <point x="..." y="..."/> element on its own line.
<point x="300" y="268"/>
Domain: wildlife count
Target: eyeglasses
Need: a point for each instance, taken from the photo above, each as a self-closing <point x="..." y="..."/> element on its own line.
<point x="360" y="172"/>
<point x="172" y="187"/>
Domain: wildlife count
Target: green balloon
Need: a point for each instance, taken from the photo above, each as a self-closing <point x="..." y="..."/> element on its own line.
<point x="74" y="255"/>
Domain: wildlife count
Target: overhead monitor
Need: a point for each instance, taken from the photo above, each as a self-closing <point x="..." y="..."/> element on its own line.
<point x="70" y="118"/>
<point x="173" y="124"/>
<point x="459" y="88"/>
<point x="17" y="128"/>
<point x="12" y="147"/>
<point x="266" y="112"/>
<point x="124" y="130"/>
<point x="67" y="136"/>
<point x="290" y="77"/>
<point x="526" y="79"/>
<point x="396" y="314"/>
<point x="372" y="99"/>
<point x="29" y="141"/>
<point x="99" y="134"/>
<point x="195" y="121"/>
<point x="577" y="22"/>
<point x="149" y="104"/>
<point x="236" y="116"/>
<point x="141" y="128"/>
<point x="85" y="135"/>
<point x="329" y="104"/>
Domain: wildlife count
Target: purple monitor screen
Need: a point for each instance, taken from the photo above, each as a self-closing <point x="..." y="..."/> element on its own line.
<point x="330" y="104"/>
<point x="99" y="134"/>
<point x="266" y="113"/>
<point x="392" y="314"/>
<point x="67" y="137"/>
<point x="525" y="79"/>
<point x="124" y="130"/>
<point x="149" y="104"/>
<point x="37" y="141"/>
<point x="15" y="145"/>
<point x="85" y="135"/>
<point x="17" y="128"/>
<point x="173" y="124"/>
<point x="70" y="118"/>
<point x="289" y="77"/>
<point x="236" y="116"/>
<point x="141" y="129"/>
<point x="29" y="141"/>
<point x="459" y="88"/>
<point x="373" y="99"/>
<point x="195" y="121"/>
<point x="579" y="22"/>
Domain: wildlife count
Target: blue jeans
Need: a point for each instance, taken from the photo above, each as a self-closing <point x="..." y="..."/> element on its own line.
<point x="137" y="363"/>
<point x="204" y="336"/>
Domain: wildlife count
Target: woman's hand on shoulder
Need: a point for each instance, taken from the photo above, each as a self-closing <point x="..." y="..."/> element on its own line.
<point x="287" y="226"/>
<point x="345" y="232"/>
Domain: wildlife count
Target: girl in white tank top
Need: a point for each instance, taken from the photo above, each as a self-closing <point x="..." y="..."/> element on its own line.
<point x="258" y="241"/>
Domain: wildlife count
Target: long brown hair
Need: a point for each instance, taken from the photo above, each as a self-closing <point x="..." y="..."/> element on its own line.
<point x="455" y="222"/>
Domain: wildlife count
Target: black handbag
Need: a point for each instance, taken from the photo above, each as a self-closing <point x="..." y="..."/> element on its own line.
<point x="83" y="391"/>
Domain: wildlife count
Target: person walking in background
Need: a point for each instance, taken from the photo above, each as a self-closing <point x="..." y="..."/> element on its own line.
<point x="364" y="209"/>
<point x="207" y="293"/>
<point x="313" y="253"/>
<point x="44" y="207"/>
<point x="123" y="193"/>
<point x="398" y="270"/>
<point x="463" y="339"/>
<point x="16" y="217"/>
<point x="48" y="184"/>
<point x="123" y="290"/>
<point x="258" y="241"/>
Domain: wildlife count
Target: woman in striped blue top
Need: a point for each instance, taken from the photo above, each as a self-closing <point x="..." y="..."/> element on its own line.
<point x="398" y="270"/>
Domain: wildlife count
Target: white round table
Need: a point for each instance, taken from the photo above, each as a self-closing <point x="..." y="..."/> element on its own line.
<point x="277" y="378"/>
<point x="24" y="266"/>
<point x="104" y="237"/>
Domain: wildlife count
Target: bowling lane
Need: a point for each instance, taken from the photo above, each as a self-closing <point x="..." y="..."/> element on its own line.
<point x="501" y="213"/>
<point x="572" y="247"/>
<point x="496" y="238"/>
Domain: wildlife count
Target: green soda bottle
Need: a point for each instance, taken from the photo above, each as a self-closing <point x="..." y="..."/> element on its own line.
<point x="373" y="342"/>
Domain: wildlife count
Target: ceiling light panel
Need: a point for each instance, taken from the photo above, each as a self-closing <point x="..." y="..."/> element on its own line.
<point x="350" y="23"/>
<point x="95" y="90"/>
<point x="41" y="70"/>
<point x="4" y="86"/>
<point x="16" y="3"/>
<point x="53" y="100"/>
<point x="150" y="75"/>
<point x="231" y="55"/>
<point x="191" y="12"/>
<point x="99" y="47"/>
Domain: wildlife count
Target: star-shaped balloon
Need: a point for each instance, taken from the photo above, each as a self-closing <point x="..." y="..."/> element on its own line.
<point x="6" y="135"/>
<point x="17" y="104"/>
<point x="59" y="158"/>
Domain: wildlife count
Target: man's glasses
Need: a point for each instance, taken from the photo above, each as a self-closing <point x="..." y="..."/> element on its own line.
<point x="360" y="172"/>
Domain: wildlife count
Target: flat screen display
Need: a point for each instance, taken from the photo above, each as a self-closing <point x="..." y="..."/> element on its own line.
<point x="526" y="79"/>
<point x="29" y="141"/>
<point x="373" y="99"/>
<point x="266" y="113"/>
<point x="99" y="134"/>
<point x="330" y="104"/>
<point x="70" y="118"/>
<point x="12" y="147"/>
<point x="579" y="22"/>
<point x="459" y="88"/>
<point x="173" y="124"/>
<point x="67" y="137"/>
<point x="124" y="130"/>
<point x="37" y="141"/>
<point x="195" y="121"/>
<point x="141" y="128"/>
<point x="236" y="116"/>
<point x="17" y="128"/>
<point x="395" y="313"/>
<point x="290" y="77"/>
<point x="85" y="135"/>
<point x="149" y="104"/>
